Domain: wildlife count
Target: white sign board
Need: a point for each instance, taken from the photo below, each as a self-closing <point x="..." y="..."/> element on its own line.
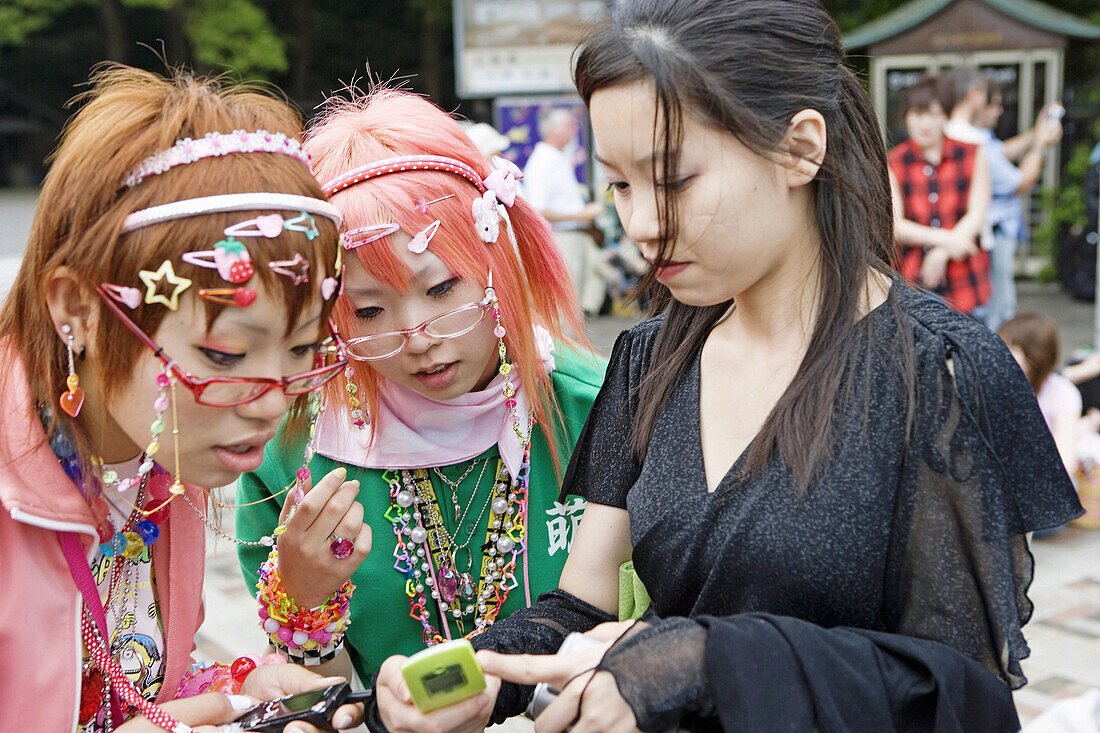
<point x="506" y="47"/>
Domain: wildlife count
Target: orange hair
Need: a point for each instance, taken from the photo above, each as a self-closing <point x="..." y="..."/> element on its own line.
<point x="128" y="115"/>
<point x="532" y="283"/>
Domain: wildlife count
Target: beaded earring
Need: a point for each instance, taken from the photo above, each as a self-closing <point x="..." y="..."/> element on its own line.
<point x="359" y="416"/>
<point x="72" y="399"/>
<point x="505" y="366"/>
<point x="160" y="406"/>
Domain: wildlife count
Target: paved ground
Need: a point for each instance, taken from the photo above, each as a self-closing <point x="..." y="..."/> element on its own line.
<point x="1064" y="632"/>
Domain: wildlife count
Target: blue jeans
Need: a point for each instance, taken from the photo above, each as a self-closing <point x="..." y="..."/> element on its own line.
<point x="1002" y="301"/>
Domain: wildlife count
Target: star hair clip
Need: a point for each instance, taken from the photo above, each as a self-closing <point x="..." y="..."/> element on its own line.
<point x="297" y="269"/>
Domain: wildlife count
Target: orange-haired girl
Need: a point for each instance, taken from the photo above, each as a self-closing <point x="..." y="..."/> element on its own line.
<point x="461" y="401"/>
<point x="167" y="312"/>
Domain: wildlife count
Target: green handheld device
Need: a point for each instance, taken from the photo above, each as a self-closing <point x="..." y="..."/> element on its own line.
<point x="443" y="674"/>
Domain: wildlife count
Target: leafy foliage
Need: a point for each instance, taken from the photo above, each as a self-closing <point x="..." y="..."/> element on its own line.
<point x="236" y="35"/>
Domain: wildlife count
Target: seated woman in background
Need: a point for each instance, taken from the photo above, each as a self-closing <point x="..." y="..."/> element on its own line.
<point x="1033" y="340"/>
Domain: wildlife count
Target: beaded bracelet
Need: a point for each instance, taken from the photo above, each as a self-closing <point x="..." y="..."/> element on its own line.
<point x="224" y="678"/>
<point x="306" y="634"/>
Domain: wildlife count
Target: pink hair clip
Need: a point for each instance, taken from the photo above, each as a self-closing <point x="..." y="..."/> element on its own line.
<point x="365" y="235"/>
<point x="296" y="269"/>
<point x="502" y="180"/>
<point x="129" y="297"/>
<point x="419" y="243"/>
<point x="229" y="257"/>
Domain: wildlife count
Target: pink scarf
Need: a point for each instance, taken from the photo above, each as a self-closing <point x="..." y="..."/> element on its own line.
<point x="419" y="432"/>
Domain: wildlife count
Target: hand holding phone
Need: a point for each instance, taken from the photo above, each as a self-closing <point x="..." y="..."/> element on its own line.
<point x="315" y="707"/>
<point x="442" y="675"/>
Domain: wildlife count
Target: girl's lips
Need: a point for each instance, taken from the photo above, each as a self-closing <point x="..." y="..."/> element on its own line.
<point x="441" y="379"/>
<point x="245" y="462"/>
<point x="669" y="269"/>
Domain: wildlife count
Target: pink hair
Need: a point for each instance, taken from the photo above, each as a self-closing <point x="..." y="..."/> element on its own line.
<point x="533" y="288"/>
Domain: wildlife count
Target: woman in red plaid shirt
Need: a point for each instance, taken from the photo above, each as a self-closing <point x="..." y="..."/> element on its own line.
<point x="941" y="191"/>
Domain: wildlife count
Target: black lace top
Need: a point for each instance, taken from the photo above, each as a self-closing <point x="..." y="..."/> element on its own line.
<point x="921" y="537"/>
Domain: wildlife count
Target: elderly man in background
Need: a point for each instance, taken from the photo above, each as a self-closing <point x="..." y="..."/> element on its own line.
<point x="551" y="186"/>
<point x="975" y="109"/>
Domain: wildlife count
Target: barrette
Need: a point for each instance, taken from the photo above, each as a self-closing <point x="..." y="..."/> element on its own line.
<point x="129" y="297"/>
<point x="229" y="257"/>
<point x="502" y="180"/>
<point x="365" y="235"/>
<point x="419" y="243"/>
<point x="303" y="223"/>
<point x="296" y="269"/>
<point x="242" y="297"/>
<point x="272" y="225"/>
<point x="163" y="274"/>
<point x="422" y="206"/>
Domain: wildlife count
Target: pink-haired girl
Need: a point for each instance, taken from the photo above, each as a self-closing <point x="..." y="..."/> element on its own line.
<point x="461" y="403"/>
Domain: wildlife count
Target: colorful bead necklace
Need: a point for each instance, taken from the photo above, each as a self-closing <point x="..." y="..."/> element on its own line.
<point x="424" y="551"/>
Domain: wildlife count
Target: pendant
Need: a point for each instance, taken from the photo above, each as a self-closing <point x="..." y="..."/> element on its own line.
<point x="448" y="584"/>
<point x="466" y="587"/>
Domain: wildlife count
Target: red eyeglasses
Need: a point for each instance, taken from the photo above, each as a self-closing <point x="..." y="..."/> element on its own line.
<point x="232" y="391"/>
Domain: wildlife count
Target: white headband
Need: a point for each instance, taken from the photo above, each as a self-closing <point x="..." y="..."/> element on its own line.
<point x="230" y="202"/>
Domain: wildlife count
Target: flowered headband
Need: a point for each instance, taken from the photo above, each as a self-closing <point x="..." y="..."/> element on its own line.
<point x="214" y="144"/>
<point x="498" y="189"/>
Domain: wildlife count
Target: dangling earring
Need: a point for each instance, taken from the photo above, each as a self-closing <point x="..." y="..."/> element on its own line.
<point x="359" y="417"/>
<point x="72" y="399"/>
<point x="505" y="367"/>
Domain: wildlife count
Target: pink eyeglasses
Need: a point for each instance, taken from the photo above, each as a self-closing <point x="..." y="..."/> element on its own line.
<point x="449" y="325"/>
<point x="231" y="391"/>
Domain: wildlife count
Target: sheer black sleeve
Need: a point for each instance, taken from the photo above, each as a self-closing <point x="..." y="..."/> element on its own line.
<point x="602" y="469"/>
<point x="981" y="471"/>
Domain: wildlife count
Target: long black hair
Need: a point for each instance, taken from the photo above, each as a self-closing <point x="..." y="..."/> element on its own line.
<point x="748" y="66"/>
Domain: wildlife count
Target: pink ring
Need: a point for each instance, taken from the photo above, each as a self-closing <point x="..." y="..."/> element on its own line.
<point x="341" y="548"/>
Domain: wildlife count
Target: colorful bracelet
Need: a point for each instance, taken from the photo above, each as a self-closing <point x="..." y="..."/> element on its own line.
<point x="305" y="634"/>
<point x="224" y="678"/>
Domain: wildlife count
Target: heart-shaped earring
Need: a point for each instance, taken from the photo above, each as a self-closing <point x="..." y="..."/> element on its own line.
<point x="72" y="399"/>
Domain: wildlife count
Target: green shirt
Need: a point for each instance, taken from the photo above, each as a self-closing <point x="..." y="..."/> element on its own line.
<point x="380" y="622"/>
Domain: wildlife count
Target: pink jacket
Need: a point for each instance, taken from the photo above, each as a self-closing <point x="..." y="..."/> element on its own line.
<point x="39" y="601"/>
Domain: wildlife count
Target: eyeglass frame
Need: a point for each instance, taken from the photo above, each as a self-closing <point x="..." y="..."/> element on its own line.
<point x="483" y="305"/>
<point x="198" y="385"/>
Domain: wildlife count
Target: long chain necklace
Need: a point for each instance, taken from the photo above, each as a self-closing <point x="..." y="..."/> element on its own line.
<point x="455" y="484"/>
<point x="422" y="544"/>
<point x="459" y="521"/>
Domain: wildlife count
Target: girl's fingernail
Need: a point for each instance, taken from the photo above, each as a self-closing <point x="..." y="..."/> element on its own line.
<point x="240" y="703"/>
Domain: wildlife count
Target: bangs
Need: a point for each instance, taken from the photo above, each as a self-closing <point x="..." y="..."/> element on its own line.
<point x="394" y="199"/>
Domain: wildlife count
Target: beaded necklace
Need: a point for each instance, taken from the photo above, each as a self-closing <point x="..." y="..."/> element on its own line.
<point x="425" y="551"/>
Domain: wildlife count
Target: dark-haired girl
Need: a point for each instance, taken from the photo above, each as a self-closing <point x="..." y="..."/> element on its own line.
<point x="799" y="454"/>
